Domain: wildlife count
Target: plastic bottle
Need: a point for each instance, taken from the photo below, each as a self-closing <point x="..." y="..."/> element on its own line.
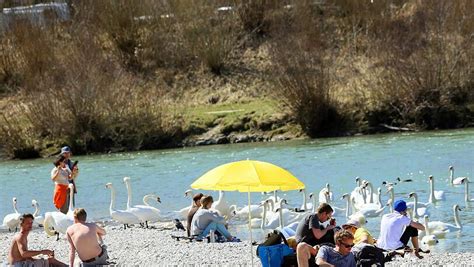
<point x="213" y="236"/>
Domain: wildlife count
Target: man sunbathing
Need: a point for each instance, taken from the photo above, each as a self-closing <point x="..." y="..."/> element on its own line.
<point x="84" y="238"/>
<point x="20" y="255"/>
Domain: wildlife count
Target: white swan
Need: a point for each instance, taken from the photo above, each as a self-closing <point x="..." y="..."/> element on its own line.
<point x="39" y="219"/>
<point x="434" y="194"/>
<point x="59" y="221"/>
<point x="282" y="216"/>
<point x="145" y="213"/>
<point x="347" y="198"/>
<point x="467" y="196"/>
<point x="322" y="195"/>
<point x="391" y="197"/>
<point x="436" y="233"/>
<point x="12" y="220"/>
<point x="417" y="211"/>
<point x="306" y="206"/>
<point x="256" y="211"/>
<point x="358" y="195"/>
<point x="121" y="216"/>
<point x="452" y="180"/>
<point x="221" y="205"/>
<point x="260" y="222"/>
<point x="447" y="227"/>
<point x="428" y="239"/>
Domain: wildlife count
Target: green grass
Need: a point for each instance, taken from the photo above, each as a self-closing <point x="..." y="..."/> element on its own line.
<point x="227" y="114"/>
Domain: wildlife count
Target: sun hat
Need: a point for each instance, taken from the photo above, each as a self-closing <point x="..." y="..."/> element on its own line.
<point x="351" y="222"/>
<point x="65" y="149"/>
<point x="400" y="205"/>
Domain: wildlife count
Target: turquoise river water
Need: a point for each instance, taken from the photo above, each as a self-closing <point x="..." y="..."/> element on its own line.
<point x="168" y="173"/>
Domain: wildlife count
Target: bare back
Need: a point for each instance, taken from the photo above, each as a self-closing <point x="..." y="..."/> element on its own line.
<point x="84" y="237"/>
<point x="14" y="254"/>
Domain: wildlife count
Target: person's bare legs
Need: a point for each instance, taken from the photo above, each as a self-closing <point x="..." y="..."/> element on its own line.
<point x="416" y="246"/>
<point x="304" y="253"/>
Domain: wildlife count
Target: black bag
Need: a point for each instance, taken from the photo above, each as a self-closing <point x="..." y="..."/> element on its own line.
<point x="368" y="255"/>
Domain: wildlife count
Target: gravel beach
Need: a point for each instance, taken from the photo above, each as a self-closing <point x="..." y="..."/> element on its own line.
<point x="155" y="247"/>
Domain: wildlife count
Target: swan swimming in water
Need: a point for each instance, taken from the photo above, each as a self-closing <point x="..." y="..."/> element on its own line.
<point x="121" y="216"/>
<point x="417" y="211"/>
<point x="452" y="180"/>
<point x="12" y="220"/>
<point x="447" y="227"/>
<point x="435" y="195"/>
<point x="429" y="238"/>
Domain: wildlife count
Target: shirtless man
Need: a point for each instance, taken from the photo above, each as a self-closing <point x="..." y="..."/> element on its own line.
<point x="84" y="238"/>
<point x="19" y="255"/>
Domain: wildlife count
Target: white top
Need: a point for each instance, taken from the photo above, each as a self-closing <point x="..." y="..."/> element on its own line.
<point x="391" y="230"/>
<point x="63" y="175"/>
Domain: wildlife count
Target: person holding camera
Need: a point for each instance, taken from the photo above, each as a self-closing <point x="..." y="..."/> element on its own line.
<point x="67" y="153"/>
<point x="60" y="175"/>
<point x="310" y="233"/>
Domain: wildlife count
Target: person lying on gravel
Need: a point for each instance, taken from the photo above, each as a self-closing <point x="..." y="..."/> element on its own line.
<point x="205" y="220"/>
<point x="86" y="239"/>
<point x="20" y="255"/>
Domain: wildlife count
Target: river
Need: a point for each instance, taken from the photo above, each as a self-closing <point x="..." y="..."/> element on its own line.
<point x="337" y="161"/>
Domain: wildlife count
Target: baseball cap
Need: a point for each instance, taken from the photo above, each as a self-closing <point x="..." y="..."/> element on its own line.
<point x="400" y="205"/>
<point x="65" y="149"/>
<point x="351" y="222"/>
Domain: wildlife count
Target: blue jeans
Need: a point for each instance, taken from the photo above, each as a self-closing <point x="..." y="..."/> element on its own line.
<point x="219" y="227"/>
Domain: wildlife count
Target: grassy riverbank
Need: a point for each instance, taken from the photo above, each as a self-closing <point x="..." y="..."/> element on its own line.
<point x="155" y="74"/>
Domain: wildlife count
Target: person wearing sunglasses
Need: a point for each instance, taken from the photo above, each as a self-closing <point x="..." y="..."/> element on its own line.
<point x="339" y="256"/>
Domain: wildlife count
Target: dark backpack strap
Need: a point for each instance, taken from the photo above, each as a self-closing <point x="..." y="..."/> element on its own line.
<point x="282" y="237"/>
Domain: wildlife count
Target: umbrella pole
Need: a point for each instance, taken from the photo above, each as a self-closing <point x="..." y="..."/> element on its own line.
<point x="250" y="229"/>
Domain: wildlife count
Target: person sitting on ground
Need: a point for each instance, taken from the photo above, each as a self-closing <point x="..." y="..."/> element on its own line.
<point x="205" y="220"/>
<point x="310" y="234"/>
<point x="20" y="255"/>
<point x="192" y="211"/>
<point x="86" y="239"/>
<point x="339" y="256"/>
<point x="392" y="233"/>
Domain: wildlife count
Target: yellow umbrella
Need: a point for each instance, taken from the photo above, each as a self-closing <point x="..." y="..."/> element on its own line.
<point x="248" y="176"/>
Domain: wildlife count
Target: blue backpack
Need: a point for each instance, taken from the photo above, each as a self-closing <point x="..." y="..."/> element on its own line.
<point x="271" y="255"/>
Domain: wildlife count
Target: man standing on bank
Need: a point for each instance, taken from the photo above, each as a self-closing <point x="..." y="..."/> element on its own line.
<point x="67" y="153"/>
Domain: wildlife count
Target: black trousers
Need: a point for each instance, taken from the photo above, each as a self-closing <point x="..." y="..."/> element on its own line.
<point x="410" y="232"/>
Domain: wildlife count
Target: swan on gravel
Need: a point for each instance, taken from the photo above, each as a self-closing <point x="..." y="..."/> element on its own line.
<point x="59" y="221"/>
<point x="144" y="212"/>
<point x="121" y="216"/>
<point x="39" y="219"/>
<point x="12" y="220"/>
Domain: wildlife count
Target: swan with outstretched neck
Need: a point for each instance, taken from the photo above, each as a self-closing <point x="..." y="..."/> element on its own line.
<point x="121" y="216"/>
<point x="447" y="227"/>
<point x="417" y="211"/>
<point x="452" y="180"/>
<point x="12" y="220"/>
<point x="39" y="220"/>
<point x="143" y="212"/>
<point x="435" y="195"/>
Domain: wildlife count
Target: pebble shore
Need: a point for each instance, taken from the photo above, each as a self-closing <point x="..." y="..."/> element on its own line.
<point x="156" y="247"/>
